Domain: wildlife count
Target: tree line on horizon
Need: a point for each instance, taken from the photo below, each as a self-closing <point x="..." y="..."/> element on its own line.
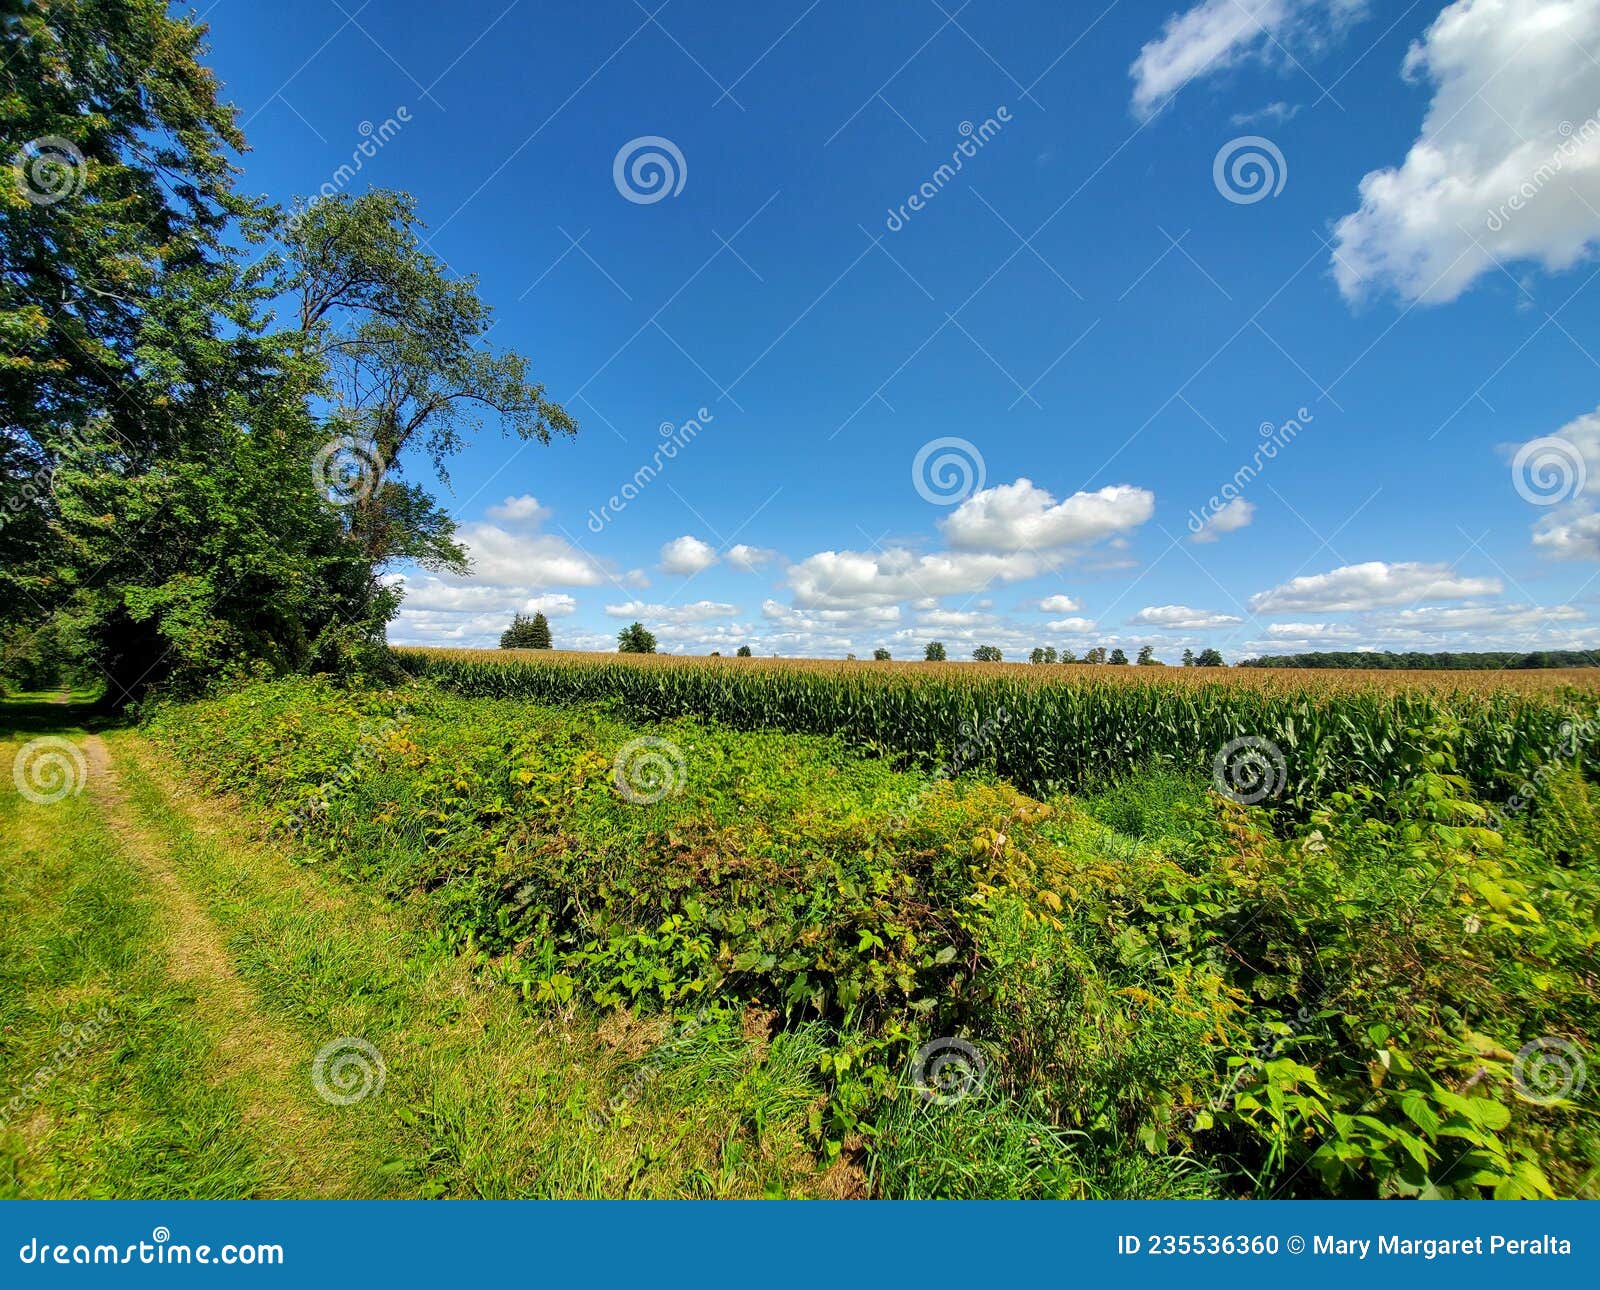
<point x="1447" y="661"/>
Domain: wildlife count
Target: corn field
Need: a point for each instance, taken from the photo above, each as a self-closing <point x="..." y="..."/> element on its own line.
<point x="1050" y="730"/>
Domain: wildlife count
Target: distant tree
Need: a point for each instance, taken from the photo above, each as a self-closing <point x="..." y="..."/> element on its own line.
<point x="1455" y="660"/>
<point x="1095" y="655"/>
<point x="849" y="658"/>
<point x="1147" y="656"/>
<point x="1067" y="656"/>
<point x="988" y="654"/>
<point x="881" y="655"/>
<point x="1209" y="658"/>
<point x="1037" y="656"/>
<point x="634" y="639"/>
<point x="934" y="652"/>
<point x="1188" y="658"/>
<point x="526" y="633"/>
<point x="1118" y="657"/>
<point x="716" y="653"/>
<point x="743" y="651"/>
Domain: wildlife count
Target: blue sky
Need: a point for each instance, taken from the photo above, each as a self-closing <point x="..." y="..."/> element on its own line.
<point x="1361" y="232"/>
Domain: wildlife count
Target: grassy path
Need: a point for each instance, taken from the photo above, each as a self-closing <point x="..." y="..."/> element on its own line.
<point x="202" y="974"/>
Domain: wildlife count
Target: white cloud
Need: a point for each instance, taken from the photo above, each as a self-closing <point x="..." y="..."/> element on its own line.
<point x="1218" y="34"/>
<point x="1312" y="631"/>
<point x="1564" y="470"/>
<point x="1024" y="517"/>
<point x="1073" y="625"/>
<point x="1236" y="515"/>
<point x="524" y="509"/>
<point x="1275" y="112"/>
<point x="1492" y="179"/>
<point x="1365" y="586"/>
<point x="1183" y="618"/>
<point x="748" y="558"/>
<point x="855" y="579"/>
<point x="516" y="554"/>
<point x="695" y="612"/>
<point x="1059" y="604"/>
<point x="687" y="555"/>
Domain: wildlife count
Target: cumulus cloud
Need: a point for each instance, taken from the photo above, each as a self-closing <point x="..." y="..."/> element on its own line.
<point x="1562" y="472"/>
<point x="1025" y="517"/>
<point x="1059" y="604"/>
<point x="516" y="553"/>
<point x="1236" y="515"/>
<point x="687" y="555"/>
<point x="854" y="579"/>
<point x="1355" y="587"/>
<point x="1506" y="167"/>
<point x="748" y="559"/>
<point x="1183" y="618"/>
<point x="1073" y="626"/>
<point x="1218" y="34"/>
<point x="695" y="612"/>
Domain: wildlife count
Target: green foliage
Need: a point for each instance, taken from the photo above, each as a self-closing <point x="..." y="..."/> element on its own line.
<point x="1169" y="998"/>
<point x="987" y="654"/>
<point x="1068" y="737"/>
<point x="635" y="639"/>
<point x="881" y="655"/>
<point x="933" y="652"/>
<point x="1450" y="661"/>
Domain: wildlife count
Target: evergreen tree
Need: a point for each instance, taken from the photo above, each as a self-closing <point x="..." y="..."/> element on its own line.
<point x="634" y="639"/>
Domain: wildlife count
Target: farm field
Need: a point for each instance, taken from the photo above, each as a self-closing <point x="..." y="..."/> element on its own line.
<point x="574" y="926"/>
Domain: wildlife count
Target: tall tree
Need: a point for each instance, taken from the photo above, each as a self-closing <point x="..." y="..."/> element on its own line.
<point x="635" y="639"/>
<point x="933" y="652"/>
